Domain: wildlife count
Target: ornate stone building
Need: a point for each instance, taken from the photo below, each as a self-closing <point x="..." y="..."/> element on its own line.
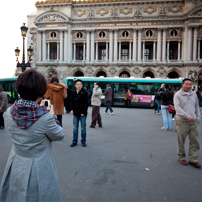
<point x="134" y="38"/>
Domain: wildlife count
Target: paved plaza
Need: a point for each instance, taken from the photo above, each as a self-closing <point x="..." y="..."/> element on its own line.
<point x="130" y="159"/>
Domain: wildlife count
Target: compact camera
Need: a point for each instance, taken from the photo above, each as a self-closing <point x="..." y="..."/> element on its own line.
<point x="47" y="104"/>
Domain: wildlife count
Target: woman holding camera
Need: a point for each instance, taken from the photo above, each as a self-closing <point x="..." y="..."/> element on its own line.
<point x="166" y="94"/>
<point x="30" y="173"/>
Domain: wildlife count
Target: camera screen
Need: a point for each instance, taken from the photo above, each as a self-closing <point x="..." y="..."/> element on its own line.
<point x="46" y="103"/>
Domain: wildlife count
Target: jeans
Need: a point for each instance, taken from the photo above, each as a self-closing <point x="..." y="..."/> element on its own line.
<point x="59" y="118"/>
<point x="108" y="106"/>
<point x="167" y="117"/>
<point x="158" y="104"/>
<point x="76" y="120"/>
<point x="1" y="120"/>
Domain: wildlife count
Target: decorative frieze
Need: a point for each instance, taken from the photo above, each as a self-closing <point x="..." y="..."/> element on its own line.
<point x="80" y="13"/>
<point x="126" y="11"/>
<point x="52" y="18"/>
<point x="102" y="12"/>
<point x="149" y="10"/>
<point x="175" y="9"/>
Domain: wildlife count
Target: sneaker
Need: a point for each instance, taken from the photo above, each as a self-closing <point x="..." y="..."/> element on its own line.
<point x="73" y="144"/>
<point x="105" y="112"/>
<point x="154" y="111"/>
<point x="183" y="162"/>
<point x="2" y="128"/>
<point x="173" y="119"/>
<point x="158" y="113"/>
<point x="162" y="128"/>
<point x="195" y="164"/>
<point x="112" y="113"/>
<point x="91" y="127"/>
<point x="83" y="144"/>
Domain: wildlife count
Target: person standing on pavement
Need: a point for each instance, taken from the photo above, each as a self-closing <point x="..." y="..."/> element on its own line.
<point x="187" y="122"/>
<point x="157" y="101"/>
<point x="166" y="99"/>
<point x="56" y="93"/>
<point x="3" y="106"/>
<point x="108" y="99"/>
<point x="96" y="102"/>
<point x="128" y="98"/>
<point x="30" y="173"/>
<point x="79" y="109"/>
<point x="67" y="99"/>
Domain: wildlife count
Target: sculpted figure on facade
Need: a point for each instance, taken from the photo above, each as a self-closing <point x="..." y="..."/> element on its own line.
<point x="162" y="10"/>
<point x="137" y="11"/>
<point x="91" y="13"/>
<point x="193" y="75"/>
<point x="52" y="18"/>
<point x="114" y="12"/>
<point x="137" y="71"/>
<point x="161" y="72"/>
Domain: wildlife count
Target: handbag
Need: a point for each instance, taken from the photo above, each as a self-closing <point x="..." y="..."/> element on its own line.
<point x="171" y="109"/>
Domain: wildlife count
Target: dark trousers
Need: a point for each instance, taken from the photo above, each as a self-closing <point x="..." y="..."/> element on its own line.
<point x="128" y="103"/>
<point x="59" y="118"/>
<point x="108" y="106"/>
<point x="96" y="116"/>
<point x="1" y="119"/>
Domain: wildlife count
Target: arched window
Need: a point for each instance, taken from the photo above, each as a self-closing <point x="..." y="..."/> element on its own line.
<point x="149" y="33"/>
<point x="102" y="34"/>
<point x="148" y="74"/>
<point x="173" y="75"/>
<point x="101" y="73"/>
<point x="79" y="35"/>
<point x="173" y="33"/>
<point x="125" y="34"/>
<point x="124" y="74"/>
<point x="78" y="74"/>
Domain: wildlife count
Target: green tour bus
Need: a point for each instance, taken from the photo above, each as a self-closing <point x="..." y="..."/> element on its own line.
<point x="9" y="87"/>
<point x="143" y="89"/>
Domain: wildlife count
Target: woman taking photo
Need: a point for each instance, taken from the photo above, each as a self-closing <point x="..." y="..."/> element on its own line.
<point x="30" y="174"/>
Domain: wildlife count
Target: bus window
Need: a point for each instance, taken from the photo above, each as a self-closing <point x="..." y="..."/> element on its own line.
<point x="70" y="82"/>
<point x="145" y="89"/>
<point x="119" y="92"/>
<point x="156" y="87"/>
<point x="103" y="86"/>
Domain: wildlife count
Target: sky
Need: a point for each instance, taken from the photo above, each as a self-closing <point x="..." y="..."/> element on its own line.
<point x="13" y="14"/>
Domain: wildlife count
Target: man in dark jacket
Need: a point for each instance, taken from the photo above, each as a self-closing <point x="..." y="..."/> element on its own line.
<point x="79" y="107"/>
<point x="108" y="99"/>
<point x="166" y="99"/>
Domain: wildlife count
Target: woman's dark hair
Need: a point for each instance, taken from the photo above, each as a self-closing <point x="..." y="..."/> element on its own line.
<point x="97" y="83"/>
<point x="54" y="80"/>
<point x="31" y="84"/>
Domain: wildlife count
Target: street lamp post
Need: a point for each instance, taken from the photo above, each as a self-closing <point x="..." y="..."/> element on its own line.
<point x="23" y="65"/>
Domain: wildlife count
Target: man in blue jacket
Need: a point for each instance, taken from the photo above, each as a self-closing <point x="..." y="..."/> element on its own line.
<point x="79" y="107"/>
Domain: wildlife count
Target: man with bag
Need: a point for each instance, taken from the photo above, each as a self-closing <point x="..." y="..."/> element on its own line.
<point x="187" y="122"/>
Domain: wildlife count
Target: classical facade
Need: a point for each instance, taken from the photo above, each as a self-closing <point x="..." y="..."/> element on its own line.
<point x="134" y="38"/>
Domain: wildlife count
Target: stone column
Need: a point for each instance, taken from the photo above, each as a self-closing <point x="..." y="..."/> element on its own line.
<point x="139" y="45"/>
<point x="107" y="44"/>
<point x="44" y="46"/>
<point x="58" y="50"/>
<point x="69" y="52"/>
<point x="154" y="50"/>
<point x="143" y="51"/>
<point x="179" y="50"/>
<point x="185" y="43"/>
<point x="84" y="51"/>
<point x="61" y="45"/>
<point x="88" y="47"/>
<point x="39" y="46"/>
<point x="74" y="51"/>
<point x="96" y="57"/>
<point x="159" y="46"/>
<point x="119" y="50"/>
<point x="168" y="50"/>
<point x="195" y="43"/>
<point x="48" y="43"/>
<point x="130" y="44"/>
<point x="199" y="49"/>
<point x="65" y="46"/>
<point x="110" y="45"/>
<point x="115" y="45"/>
<point x="134" y="45"/>
<point x="92" y="46"/>
<point x="164" y="46"/>
<point x="189" y="43"/>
